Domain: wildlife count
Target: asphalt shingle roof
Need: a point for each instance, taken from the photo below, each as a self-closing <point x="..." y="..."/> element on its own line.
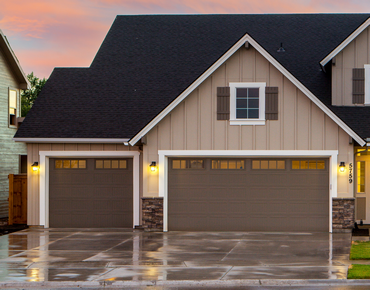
<point x="146" y="61"/>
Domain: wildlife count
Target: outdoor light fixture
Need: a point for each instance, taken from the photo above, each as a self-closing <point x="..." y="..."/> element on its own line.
<point x="35" y="166"/>
<point x="153" y="166"/>
<point x="342" y="166"/>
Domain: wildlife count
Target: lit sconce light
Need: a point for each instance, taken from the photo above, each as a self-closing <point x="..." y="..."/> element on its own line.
<point x="35" y="166"/>
<point x="342" y="166"/>
<point x="153" y="166"/>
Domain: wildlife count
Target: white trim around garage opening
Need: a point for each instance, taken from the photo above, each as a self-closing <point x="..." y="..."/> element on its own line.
<point x="44" y="178"/>
<point x="163" y="168"/>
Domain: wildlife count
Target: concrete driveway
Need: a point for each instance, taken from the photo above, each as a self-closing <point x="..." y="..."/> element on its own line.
<point x="125" y="255"/>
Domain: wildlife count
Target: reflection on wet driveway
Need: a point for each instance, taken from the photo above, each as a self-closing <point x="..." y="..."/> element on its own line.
<point x="116" y="255"/>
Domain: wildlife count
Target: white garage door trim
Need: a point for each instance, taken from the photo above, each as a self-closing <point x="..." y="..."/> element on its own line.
<point x="163" y="168"/>
<point x="44" y="178"/>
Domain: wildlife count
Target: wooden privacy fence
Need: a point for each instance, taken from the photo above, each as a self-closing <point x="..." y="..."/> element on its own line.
<point x="17" y="199"/>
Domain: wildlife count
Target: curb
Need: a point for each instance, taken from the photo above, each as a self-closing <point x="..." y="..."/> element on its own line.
<point x="186" y="283"/>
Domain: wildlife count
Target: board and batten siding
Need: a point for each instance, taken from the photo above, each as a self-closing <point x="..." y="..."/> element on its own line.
<point x="355" y="55"/>
<point x="9" y="150"/>
<point x="193" y="124"/>
<point x="33" y="205"/>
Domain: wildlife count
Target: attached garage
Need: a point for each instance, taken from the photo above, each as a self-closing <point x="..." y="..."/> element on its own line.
<point x="91" y="192"/>
<point x="261" y="194"/>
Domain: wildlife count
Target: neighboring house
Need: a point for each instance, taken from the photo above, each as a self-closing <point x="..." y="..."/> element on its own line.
<point x="12" y="81"/>
<point x="250" y="122"/>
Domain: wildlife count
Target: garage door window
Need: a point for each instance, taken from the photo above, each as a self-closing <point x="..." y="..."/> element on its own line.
<point x="70" y="164"/>
<point x="308" y="164"/>
<point x="227" y="164"/>
<point x="110" y="164"/>
<point x="188" y="164"/>
<point x="268" y="164"/>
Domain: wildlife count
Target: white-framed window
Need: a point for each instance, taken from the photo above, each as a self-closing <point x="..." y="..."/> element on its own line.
<point x="247" y="103"/>
<point x="12" y="107"/>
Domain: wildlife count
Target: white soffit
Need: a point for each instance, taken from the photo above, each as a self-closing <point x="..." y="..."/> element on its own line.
<point x="218" y="63"/>
<point x="341" y="46"/>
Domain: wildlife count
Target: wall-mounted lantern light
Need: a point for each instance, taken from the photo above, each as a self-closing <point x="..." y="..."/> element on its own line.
<point x="342" y="166"/>
<point x="35" y="166"/>
<point x="153" y="166"/>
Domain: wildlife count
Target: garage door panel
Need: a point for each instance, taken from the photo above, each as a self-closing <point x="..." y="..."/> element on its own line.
<point x="249" y="199"/>
<point x="90" y="197"/>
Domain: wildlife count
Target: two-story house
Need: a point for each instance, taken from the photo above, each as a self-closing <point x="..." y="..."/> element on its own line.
<point x="224" y="122"/>
<point x="12" y="155"/>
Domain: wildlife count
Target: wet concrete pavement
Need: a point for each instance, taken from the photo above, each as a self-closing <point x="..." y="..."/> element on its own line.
<point x="36" y="255"/>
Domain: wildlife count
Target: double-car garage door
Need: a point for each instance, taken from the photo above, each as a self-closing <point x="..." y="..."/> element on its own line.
<point x="94" y="193"/>
<point x="215" y="194"/>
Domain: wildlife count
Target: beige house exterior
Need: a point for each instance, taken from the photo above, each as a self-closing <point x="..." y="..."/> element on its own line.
<point x="12" y="81"/>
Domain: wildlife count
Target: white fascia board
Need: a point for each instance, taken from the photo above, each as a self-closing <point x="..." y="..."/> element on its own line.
<point x="70" y="140"/>
<point x="218" y="63"/>
<point x="341" y="46"/>
<point x="15" y="59"/>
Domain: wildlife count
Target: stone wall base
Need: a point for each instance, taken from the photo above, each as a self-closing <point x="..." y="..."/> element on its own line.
<point x="152" y="208"/>
<point x="343" y="214"/>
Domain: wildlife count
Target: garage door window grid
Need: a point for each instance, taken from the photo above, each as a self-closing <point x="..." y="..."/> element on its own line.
<point x="110" y="164"/>
<point x="188" y="164"/>
<point x="268" y="164"/>
<point x="70" y="164"/>
<point x="228" y="164"/>
<point x="308" y="164"/>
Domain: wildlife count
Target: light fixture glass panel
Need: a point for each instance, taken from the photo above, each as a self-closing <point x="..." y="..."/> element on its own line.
<point x="58" y="163"/>
<point x="115" y="164"/>
<point x="122" y="164"/>
<point x="107" y="164"/>
<point x="320" y="164"/>
<point x="295" y="164"/>
<point x="312" y="164"/>
<point x="74" y="163"/>
<point x="281" y="164"/>
<point x="264" y="164"/>
<point x="255" y="164"/>
<point x="81" y="163"/>
<point x="99" y="164"/>
<point x="66" y="163"/>
<point x="223" y="164"/>
<point x="272" y="164"/>
<point x="304" y="164"/>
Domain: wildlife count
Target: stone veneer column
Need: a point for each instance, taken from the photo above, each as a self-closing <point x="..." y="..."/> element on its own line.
<point x="152" y="213"/>
<point x="343" y="214"/>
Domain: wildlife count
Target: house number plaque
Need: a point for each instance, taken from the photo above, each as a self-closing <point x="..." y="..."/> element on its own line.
<point x="350" y="167"/>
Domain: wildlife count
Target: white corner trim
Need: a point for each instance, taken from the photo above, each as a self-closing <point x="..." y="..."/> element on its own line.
<point x="44" y="178"/>
<point x="348" y="40"/>
<point x="367" y="84"/>
<point x="71" y="140"/>
<point x="165" y="154"/>
<point x="218" y="63"/>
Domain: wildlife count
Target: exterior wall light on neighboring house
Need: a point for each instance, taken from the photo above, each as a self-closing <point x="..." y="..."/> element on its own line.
<point x="153" y="166"/>
<point x="342" y="166"/>
<point x="35" y="166"/>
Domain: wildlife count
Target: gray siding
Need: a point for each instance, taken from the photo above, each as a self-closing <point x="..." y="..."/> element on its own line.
<point x="9" y="150"/>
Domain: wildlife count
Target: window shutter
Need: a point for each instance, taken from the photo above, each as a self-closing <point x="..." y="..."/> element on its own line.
<point x="223" y="103"/>
<point x="271" y="103"/>
<point x="358" y="86"/>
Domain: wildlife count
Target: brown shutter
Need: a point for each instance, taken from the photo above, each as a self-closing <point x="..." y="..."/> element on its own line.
<point x="271" y="103"/>
<point x="358" y="86"/>
<point x="223" y="103"/>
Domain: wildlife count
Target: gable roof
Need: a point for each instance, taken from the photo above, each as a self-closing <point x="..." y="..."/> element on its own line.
<point x="13" y="61"/>
<point x="146" y="62"/>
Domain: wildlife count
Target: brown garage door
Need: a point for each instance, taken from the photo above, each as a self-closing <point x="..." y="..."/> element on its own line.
<point x="93" y="193"/>
<point x="248" y="194"/>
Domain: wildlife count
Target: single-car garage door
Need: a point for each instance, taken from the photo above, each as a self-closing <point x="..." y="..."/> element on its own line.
<point x="214" y="194"/>
<point x="92" y="193"/>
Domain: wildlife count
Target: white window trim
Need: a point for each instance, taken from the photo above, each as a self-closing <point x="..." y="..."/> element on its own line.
<point x="367" y="84"/>
<point x="165" y="154"/>
<point x="44" y="177"/>
<point x="261" y="105"/>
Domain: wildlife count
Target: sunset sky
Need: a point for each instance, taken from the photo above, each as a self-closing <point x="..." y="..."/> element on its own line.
<point x="51" y="33"/>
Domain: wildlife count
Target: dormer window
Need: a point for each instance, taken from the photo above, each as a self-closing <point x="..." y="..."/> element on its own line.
<point x="12" y="107"/>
